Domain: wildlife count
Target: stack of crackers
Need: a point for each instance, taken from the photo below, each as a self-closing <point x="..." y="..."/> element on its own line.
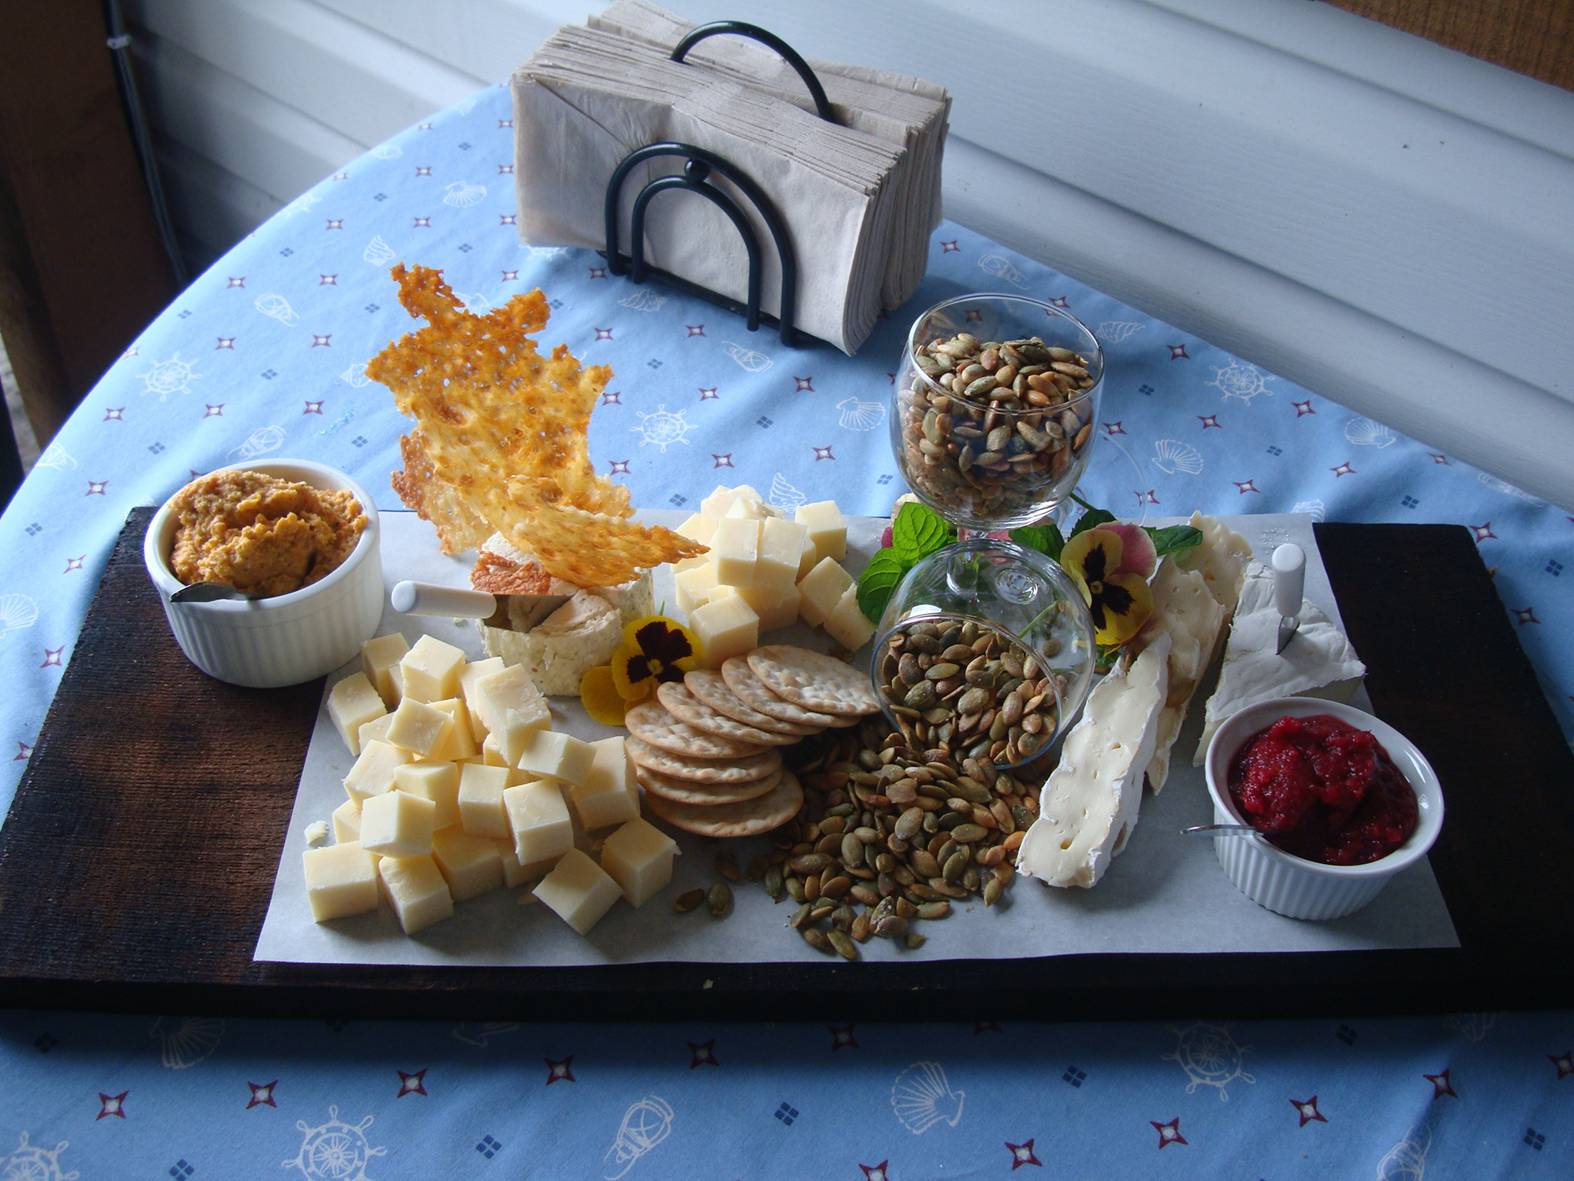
<point x="708" y="750"/>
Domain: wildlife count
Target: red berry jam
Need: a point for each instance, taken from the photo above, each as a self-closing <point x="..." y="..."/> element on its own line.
<point x="1323" y="790"/>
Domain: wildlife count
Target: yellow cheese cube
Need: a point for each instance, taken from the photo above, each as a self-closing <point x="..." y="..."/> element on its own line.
<point x="827" y="528"/>
<point x="548" y="754"/>
<point x="781" y="549"/>
<point x="519" y="727"/>
<point x="516" y="872"/>
<point x="639" y="858"/>
<point x="481" y="800"/>
<point x="415" y="888"/>
<point x="397" y="824"/>
<point x="492" y="752"/>
<point x="725" y="627"/>
<point x="377" y="729"/>
<point x="715" y="505"/>
<point x="374" y="769"/>
<point x="341" y="880"/>
<point x="420" y="728"/>
<point x="458" y="743"/>
<point x="379" y="657"/>
<point x="395" y="686"/>
<point x="736" y="547"/>
<point x="347" y="823"/>
<point x="351" y="704"/>
<point x="821" y="589"/>
<point x="776" y="608"/>
<point x="539" y="820"/>
<point x="609" y="794"/>
<point x="848" y="625"/>
<point x="430" y="670"/>
<point x="470" y="865"/>
<point x="698" y="528"/>
<point x="491" y="697"/>
<point x="438" y="782"/>
<point x="578" y="891"/>
<point x="694" y="583"/>
<point x="468" y="676"/>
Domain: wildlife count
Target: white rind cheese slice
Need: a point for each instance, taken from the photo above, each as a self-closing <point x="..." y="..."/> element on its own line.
<point x="1089" y="806"/>
<point x="579" y="635"/>
<point x="1318" y="662"/>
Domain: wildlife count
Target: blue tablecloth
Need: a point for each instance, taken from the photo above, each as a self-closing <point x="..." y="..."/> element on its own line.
<point x="264" y="355"/>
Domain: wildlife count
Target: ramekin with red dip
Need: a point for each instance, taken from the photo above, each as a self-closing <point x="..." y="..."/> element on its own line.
<point x="1343" y="800"/>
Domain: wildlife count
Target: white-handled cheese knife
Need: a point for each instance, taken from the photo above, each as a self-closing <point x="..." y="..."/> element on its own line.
<point x="517" y="612"/>
<point x="1289" y="589"/>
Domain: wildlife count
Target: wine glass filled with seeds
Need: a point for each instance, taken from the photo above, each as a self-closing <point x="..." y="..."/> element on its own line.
<point x="996" y="399"/>
<point x="984" y="651"/>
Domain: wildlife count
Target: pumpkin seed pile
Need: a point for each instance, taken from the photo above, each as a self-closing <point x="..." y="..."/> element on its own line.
<point x="965" y="687"/>
<point x="890" y="835"/>
<point x="1003" y="430"/>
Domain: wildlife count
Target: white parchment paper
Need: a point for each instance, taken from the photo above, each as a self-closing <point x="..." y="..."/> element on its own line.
<point x="1165" y="893"/>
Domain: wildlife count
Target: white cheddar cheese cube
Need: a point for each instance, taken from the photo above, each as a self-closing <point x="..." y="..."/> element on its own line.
<point x="341" y="880"/>
<point x="516" y="872"/>
<point x="827" y="528"/>
<point x="491" y="697"/>
<point x="847" y="624"/>
<point x="481" y="800"/>
<point x="471" y="866"/>
<point x="519" y="729"/>
<point x="737" y="550"/>
<point x="698" y="528"/>
<point x="725" y="627"/>
<point x="419" y="728"/>
<point x="376" y="729"/>
<point x="468" y="676"/>
<point x="821" y="589"/>
<point x="578" y="891"/>
<point x="539" y="820"/>
<point x="396" y="686"/>
<point x="429" y="671"/>
<point x="459" y="743"/>
<point x="694" y="584"/>
<point x="415" y="888"/>
<point x="548" y="754"/>
<point x="718" y="503"/>
<point x="379" y="657"/>
<point x="492" y="752"/>
<point x="776" y="608"/>
<point x="347" y="823"/>
<point x="351" y="704"/>
<point x="438" y="782"/>
<point x="639" y="858"/>
<point x="373" y="772"/>
<point x="397" y="824"/>
<point x="781" y="550"/>
<point x="609" y="794"/>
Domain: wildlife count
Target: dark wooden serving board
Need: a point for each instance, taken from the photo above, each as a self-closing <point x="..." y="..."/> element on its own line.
<point x="138" y="858"/>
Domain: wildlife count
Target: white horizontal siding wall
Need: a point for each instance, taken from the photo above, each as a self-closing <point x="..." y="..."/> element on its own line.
<point x="1379" y="219"/>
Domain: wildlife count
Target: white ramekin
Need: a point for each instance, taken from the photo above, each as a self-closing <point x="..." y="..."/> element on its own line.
<point x="1293" y="886"/>
<point x="285" y="639"/>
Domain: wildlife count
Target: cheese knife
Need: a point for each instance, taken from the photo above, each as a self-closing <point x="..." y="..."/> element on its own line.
<point x="515" y="612"/>
<point x="1289" y="589"/>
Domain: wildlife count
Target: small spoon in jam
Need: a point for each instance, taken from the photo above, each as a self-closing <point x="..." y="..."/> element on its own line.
<point x="1220" y="830"/>
<point x="207" y="592"/>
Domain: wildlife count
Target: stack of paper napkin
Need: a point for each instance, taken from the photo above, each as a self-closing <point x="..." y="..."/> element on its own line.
<point x="859" y="193"/>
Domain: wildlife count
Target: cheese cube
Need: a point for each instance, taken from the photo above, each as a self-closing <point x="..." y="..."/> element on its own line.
<point x="468" y="676"/>
<point x="725" y="627"/>
<point x="397" y="824"/>
<point x="492" y="752"/>
<point x="396" y="686"/>
<point x="693" y="584"/>
<point x="438" y="782"/>
<point x="578" y="891"/>
<point x="719" y="592"/>
<point x="698" y="528"/>
<point x="609" y="794"/>
<point x="519" y="728"/>
<point x="516" y="872"/>
<point x="373" y="771"/>
<point x="491" y="697"/>
<point x="341" y="880"/>
<point x="827" y="528"/>
<point x="715" y="505"/>
<point x="639" y="858"/>
<point x="430" y="670"/>
<point x="481" y="800"/>
<point x="736" y="546"/>
<point x="351" y="704"/>
<point x="419" y="728"/>
<point x="470" y="865"/>
<point x="821" y="589"/>
<point x="776" y="609"/>
<point x="379" y="657"/>
<point x="539" y="820"/>
<point x="781" y="550"/>
<point x="548" y="754"/>
<point x="377" y="729"/>
<point x="347" y="823"/>
<point x="848" y="625"/>
<point x="415" y="888"/>
<point x="459" y="743"/>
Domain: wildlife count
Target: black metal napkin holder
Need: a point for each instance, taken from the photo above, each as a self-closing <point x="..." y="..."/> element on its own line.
<point x="698" y="167"/>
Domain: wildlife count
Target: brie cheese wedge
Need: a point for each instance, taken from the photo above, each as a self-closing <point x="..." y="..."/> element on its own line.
<point x="1089" y="806"/>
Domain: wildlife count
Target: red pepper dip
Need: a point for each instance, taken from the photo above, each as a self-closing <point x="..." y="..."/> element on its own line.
<point x="1321" y="789"/>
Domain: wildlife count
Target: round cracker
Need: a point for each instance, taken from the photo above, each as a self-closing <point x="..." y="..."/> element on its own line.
<point x="710" y="688"/>
<point x="693" y="712"/>
<point x="703" y="795"/>
<point x="655" y="725"/>
<point x="753" y="692"/>
<point x="739" y="770"/>
<point x="746" y="819"/>
<point x="814" y="680"/>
